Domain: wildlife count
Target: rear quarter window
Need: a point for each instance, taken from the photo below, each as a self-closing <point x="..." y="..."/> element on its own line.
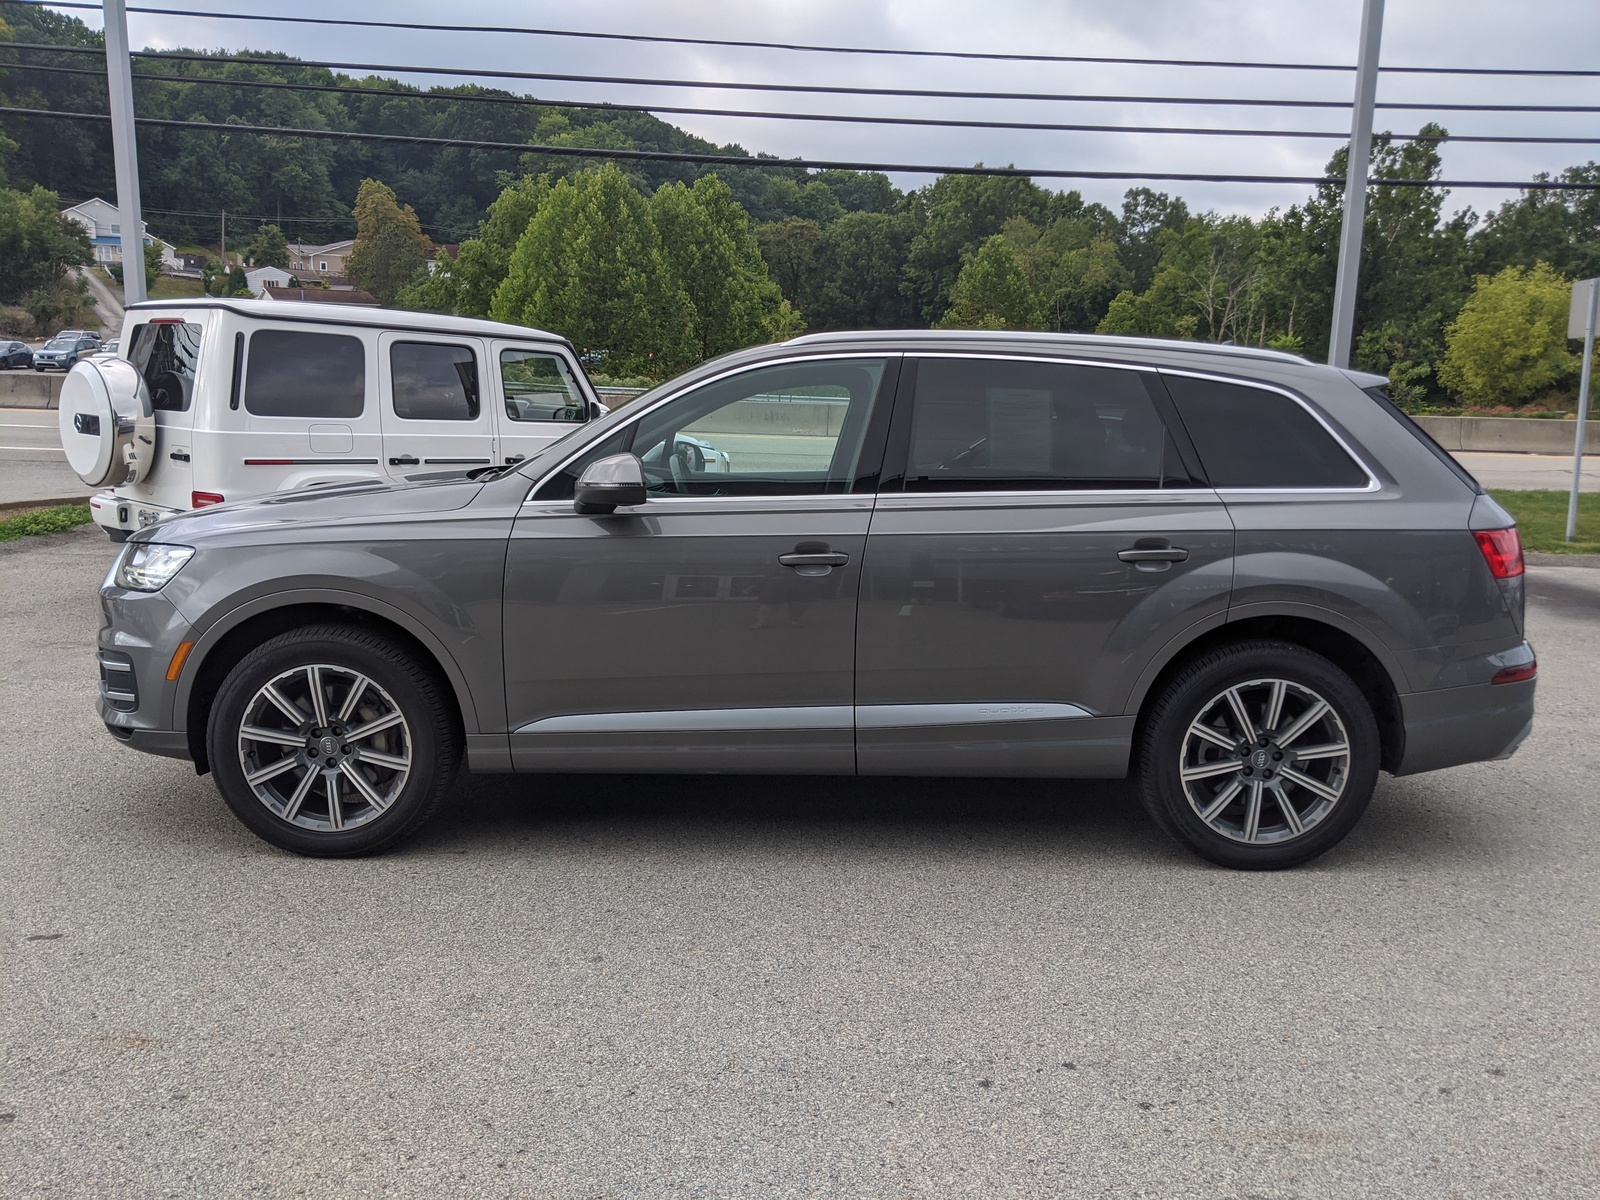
<point x="1248" y="437"/>
<point x="290" y="373"/>
<point x="166" y="355"/>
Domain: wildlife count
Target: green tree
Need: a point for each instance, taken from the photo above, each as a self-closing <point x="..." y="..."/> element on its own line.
<point x="1510" y="341"/>
<point x="709" y="246"/>
<point x="791" y="248"/>
<point x="992" y="292"/>
<point x="390" y="246"/>
<point x="484" y="261"/>
<point x="432" y="290"/>
<point x="270" y="248"/>
<point x="857" y="273"/>
<point x="237" y="284"/>
<point x="1146" y="215"/>
<point x="1074" y="268"/>
<point x="152" y="266"/>
<point x="957" y="212"/>
<point x="590" y="266"/>
<point x="37" y="244"/>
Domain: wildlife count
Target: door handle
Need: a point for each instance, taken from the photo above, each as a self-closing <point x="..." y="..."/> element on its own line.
<point x="405" y="460"/>
<point x="829" y="558"/>
<point x="1165" y="554"/>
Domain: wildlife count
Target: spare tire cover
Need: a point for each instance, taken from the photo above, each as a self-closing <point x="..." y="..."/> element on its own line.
<point x="108" y="427"/>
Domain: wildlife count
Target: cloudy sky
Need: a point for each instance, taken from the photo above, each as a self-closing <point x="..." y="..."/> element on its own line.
<point x="1546" y="34"/>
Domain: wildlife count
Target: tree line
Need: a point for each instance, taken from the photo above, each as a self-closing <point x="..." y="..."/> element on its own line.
<point x="650" y="267"/>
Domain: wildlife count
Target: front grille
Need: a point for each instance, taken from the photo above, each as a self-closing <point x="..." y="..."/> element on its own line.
<point x="117" y="682"/>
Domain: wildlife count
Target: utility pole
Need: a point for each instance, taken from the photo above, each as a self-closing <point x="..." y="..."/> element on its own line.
<point x="125" y="153"/>
<point x="222" y="246"/>
<point x="1348" y="279"/>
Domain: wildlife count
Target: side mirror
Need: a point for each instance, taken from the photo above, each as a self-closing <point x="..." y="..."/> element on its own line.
<point x="608" y="484"/>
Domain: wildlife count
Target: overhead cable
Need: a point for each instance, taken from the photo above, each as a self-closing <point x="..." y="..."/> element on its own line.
<point x="734" y="160"/>
<point x="748" y="44"/>
<point x="935" y="122"/>
<point x="811" y="88"/>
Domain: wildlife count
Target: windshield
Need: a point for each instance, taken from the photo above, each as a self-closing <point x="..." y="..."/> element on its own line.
<point x="60" y="343"/>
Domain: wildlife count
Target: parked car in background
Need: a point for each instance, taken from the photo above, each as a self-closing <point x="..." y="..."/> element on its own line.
<point x="61" y="351"/>
<point x="110" y="347"/>
<point x="220" y="399"/>
<point x="1247" y="578"/>
<point x="15" y="354"/>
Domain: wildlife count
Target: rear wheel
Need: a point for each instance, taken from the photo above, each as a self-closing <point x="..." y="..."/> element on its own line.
<point x="1259" y="756"/>
<point x="332" y="741"/>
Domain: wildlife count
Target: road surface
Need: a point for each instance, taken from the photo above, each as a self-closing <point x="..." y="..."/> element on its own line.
<point x="677" y="987"/>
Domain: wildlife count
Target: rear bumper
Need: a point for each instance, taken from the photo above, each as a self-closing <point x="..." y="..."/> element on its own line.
<point x="111" y="511"/>
<point x="1478" y="723"/>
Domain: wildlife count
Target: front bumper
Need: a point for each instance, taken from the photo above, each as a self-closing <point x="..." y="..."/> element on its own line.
<point x="139" y="635"/>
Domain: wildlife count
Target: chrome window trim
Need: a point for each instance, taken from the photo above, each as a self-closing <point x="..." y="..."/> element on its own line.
<point x="634" y="418"/>
<point x="1372" y="484"/>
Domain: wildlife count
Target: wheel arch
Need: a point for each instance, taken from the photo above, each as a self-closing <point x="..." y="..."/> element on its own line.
<point x="221" y="647"/>
<point x="1354" y="652"/>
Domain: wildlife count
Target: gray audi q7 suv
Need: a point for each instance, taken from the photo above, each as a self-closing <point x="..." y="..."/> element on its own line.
<point x="1246" y="578"/>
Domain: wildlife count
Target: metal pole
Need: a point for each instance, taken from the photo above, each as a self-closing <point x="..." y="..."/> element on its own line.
<point x="1355" y="187"/>
<point x="119" y="83"/>
<point x="1583" y="411"/>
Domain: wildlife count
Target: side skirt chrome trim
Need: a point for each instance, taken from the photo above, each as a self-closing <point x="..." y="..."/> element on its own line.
<point x="912" y="716"/>
<point x="838" y="716"/>
<point x="700" y="720"/>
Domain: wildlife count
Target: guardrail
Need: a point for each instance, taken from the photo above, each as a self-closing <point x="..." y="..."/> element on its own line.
<point x="1510" y="435"/>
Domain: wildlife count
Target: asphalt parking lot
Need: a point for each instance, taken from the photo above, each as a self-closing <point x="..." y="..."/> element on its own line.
<point x="586" y="987"/>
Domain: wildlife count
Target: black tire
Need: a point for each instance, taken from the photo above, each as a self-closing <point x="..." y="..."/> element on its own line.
<point x="1230" y="838"/>
<point x="119" y="535"/>
<point x="428" y="735"/>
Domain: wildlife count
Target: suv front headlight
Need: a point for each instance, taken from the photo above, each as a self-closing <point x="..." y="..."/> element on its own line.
<point x="150" y="566"/>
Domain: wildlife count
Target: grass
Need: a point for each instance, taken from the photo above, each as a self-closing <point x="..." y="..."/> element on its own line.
<point x="44" y="520"/>
<point x="1542" y="518"/>
<point x="169" y="288"/>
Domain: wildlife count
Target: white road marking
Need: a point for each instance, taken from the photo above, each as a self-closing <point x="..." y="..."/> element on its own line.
<point x="41" y="449"/>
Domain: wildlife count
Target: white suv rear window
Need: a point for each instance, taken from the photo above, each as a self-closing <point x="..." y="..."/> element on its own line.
<point x="295" y="374"/>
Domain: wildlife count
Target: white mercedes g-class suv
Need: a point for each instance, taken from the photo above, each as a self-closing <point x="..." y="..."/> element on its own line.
<point x="216" y="400"/>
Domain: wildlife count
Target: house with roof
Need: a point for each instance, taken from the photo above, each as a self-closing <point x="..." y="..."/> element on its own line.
<point x="102" y="221"/>
<point x="326" y="261"/>
<point x="258" y="279"/>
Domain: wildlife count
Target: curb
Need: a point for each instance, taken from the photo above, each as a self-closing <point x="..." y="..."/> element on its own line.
<point x="57" y="501"/>
<point x="1592" y="561"/>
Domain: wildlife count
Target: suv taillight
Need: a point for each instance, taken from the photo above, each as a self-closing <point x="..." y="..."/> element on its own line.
<point x="1502" y="550"/>
<point x="202" y="499"/>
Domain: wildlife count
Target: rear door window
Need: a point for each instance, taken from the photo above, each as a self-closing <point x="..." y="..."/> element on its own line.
<point x="433" y="381"/>
<point x="166" y="354"/>
<point x="1012" y="425"/>
<point x="1248" y="437"/>
<point x="292" y="373"/>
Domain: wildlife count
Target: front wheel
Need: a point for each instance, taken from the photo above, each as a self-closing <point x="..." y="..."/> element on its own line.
<point x="1259" y="756"/>
<point x="332" y="741"/>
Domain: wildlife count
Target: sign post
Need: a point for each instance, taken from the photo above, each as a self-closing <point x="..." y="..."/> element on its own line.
<point x="1580" y="323"/>
<point x="124" y="151"/>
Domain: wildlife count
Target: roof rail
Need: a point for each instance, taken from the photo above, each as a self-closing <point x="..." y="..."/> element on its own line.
<point x="1025" y="337"/>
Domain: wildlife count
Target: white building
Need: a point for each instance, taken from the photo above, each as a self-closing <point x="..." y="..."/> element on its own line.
<point x="259" y="279"/>
<point x="101" y="220"/>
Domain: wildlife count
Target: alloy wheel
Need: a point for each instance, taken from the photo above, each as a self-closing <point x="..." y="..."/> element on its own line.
<point x="324" y="747"/>
<point x="1265" y="761"/>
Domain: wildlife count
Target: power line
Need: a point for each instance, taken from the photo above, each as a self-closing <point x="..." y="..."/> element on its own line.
<point x="936" y="122"/>
<point x="733" y="160"/>
<point x="813" y="88"/>
<point x="745" y="44"/>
